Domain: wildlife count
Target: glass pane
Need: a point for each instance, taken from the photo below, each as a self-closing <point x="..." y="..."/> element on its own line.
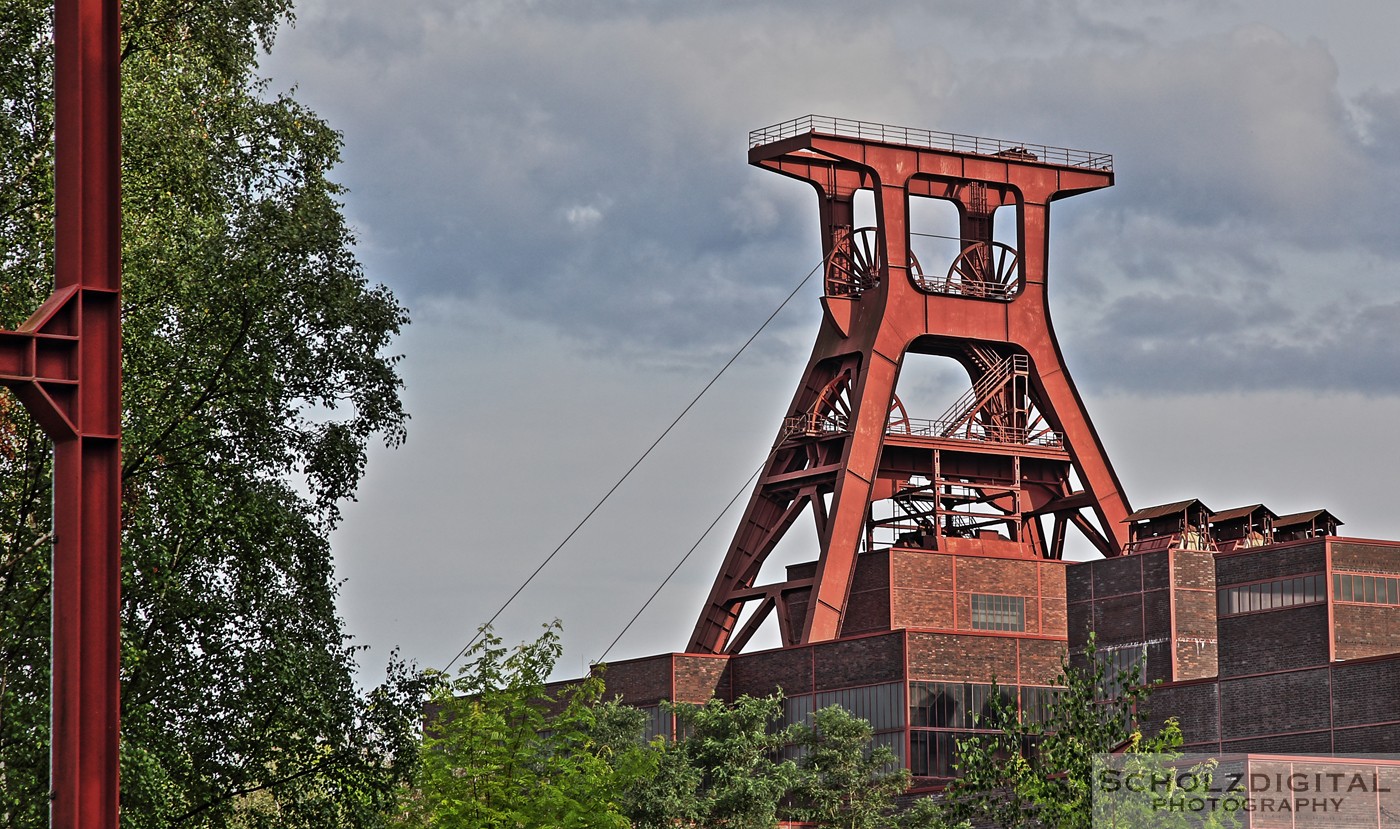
<point x="1346" y="588"/>
<point x="1369" y="583"/>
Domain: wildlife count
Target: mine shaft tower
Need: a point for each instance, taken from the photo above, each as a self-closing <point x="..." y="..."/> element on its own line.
<point x="1015" y="453"/>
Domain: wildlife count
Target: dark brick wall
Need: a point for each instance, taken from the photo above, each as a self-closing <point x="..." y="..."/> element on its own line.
<point x="1275" y="703"/>
<point x="1272" y="562"/>
<point x="1366" y="692"/>
<point x="868" y="606"/>
<point x="1195" y="706"/>
<point x="759" y="674"/>
<point x="640" y="681"/>
<point x="1318" y="742"/>
<point x="1376" y="739"/>
<point x="863" y="661"/>
<point x="1273" y="640"/>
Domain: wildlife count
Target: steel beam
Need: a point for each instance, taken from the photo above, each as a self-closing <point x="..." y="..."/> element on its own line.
<point x="64" y="364"/>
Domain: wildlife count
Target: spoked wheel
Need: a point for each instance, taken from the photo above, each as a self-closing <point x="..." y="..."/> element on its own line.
<point x="854" y="264"/>
<point x="832" y="412"/>
<point x="898" y="423"/>
<point x="984" y="269"/>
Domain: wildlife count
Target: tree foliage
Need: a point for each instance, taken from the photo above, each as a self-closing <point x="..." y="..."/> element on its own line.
<point x="844" y="783"/>
<point x="503" y="750"/>
<point x="1039" y="774"/>
<point x="500" y="752"/>
<point x="254" y="378"/>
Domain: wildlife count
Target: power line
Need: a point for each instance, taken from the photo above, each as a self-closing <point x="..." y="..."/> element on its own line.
<point x="630" y="469"/>
<point x="682" y="562"/>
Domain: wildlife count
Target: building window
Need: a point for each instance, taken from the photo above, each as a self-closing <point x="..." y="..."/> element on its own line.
<point x="1271" y="595"/>
<point x="998" y="612"/>
<point x="1362" y="589"/>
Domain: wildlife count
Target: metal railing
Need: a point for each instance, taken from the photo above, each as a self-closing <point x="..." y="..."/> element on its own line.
<point x="953" y="430"/>
<point x="931" y="139"/>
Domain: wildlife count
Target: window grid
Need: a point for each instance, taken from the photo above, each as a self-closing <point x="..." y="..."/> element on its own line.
<point x="1363" y="589"/>
<point x="998" y="612"/>
<point x="1271" y="595"/>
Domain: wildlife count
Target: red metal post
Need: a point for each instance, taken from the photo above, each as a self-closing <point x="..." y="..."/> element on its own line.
<point x="64" y="364"/>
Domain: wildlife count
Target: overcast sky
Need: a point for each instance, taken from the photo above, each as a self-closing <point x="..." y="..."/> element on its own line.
<point x="558" y="191"/>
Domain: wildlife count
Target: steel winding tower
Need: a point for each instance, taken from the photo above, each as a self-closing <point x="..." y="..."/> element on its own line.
<point x="1017" y="449"/>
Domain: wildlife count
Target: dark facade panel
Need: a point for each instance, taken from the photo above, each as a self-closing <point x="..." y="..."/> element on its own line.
<point x="759" y="674"/>
<point x="866" y="660"/>
<point x="1275" y="703"/>
<point x="1366" y="692"/>
<point x="1317" y="742"/>
<point x="1117" y="576"/>
<point x="1196" y="707"/>
<point x="1376" y="739"/>
<point x="1272" y="562"/>
<point x="640" y="682"/>
<point x="1274" y="640"/>
<point x="866" y="611"/>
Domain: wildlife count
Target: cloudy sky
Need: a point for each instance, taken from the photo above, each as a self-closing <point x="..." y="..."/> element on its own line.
<point x="558" y="191"/>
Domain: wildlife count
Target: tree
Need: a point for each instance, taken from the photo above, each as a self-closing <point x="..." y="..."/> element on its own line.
<point x="721" y="771"/>
<point x="255" y="376"/>
<point x="500" y="751"/>
<point x="1034" y="774"/>
<point x="844" y="782"/>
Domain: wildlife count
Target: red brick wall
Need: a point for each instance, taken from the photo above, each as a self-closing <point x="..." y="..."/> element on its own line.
<point x="978" y="658"/>
<point x="700" y="677"/>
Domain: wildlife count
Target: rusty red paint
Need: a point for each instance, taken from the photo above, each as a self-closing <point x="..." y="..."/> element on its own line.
<point x="989" y="311"/>
<point x="64" y="364"/>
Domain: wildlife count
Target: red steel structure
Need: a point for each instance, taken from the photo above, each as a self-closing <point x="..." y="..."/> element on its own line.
<point x="64" y="364"/>
<point x="1016" y="449"/>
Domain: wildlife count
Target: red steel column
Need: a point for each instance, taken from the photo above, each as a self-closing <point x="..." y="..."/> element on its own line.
<point x="64" y="364"/>
<point x="87" y="466"/>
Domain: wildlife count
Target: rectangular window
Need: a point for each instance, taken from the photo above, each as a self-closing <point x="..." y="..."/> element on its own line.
<point x="998" y="612"/>
<point x="1354" y="587"/>
<point x="1277" y="594"/>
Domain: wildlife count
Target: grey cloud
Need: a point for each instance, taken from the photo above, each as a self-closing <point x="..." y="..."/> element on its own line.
<point x="583" y="166"/>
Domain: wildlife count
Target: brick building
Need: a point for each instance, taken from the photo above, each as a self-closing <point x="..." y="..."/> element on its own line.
<point x="1283" y="647"/>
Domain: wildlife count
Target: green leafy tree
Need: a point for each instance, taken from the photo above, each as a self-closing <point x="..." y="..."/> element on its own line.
<point x="844" y="781"/>
<point x="1033" y="774"/>
<point x="500" y="751"/>
<point x="255" y="376"/>
<point x="721" y="770"/>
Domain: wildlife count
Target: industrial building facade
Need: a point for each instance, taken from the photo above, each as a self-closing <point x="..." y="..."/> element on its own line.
<point x="939" y="576"/>
<point x="1284" y="648"/>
